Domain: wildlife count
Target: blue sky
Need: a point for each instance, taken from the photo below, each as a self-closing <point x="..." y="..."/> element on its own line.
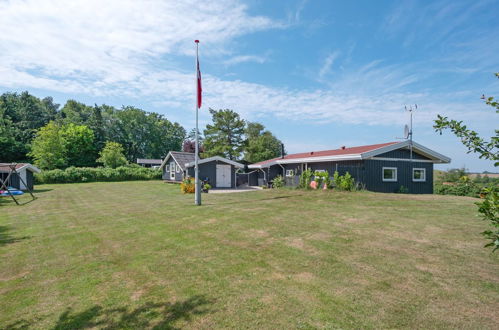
<point x="318" y="74"/>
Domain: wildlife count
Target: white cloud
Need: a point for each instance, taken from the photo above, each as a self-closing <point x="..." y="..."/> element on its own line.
<point x="328" y="63"/>
<point x="114" y="48"/>
<point x="245" y="58"/>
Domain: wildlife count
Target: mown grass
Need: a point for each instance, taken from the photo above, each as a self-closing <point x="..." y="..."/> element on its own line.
<point x="141" y="255"/>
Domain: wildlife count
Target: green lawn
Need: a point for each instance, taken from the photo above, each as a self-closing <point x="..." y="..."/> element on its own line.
<point x="141" y="255"/>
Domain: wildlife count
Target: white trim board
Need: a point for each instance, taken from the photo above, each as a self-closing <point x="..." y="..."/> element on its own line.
<point x="222" y="159"/>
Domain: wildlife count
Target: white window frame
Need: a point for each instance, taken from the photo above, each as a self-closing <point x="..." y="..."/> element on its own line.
<point x="290" y="173"/>
<point x="178" y="169"/>
<point x="383" y="174"/>
<point x="167" y="168"/>
<point x="172" y="171"/>
<point x="424" y="175"/>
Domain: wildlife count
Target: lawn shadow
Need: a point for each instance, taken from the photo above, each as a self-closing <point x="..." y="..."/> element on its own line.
<point x="38" y="191"/>
<point x="6" y="238"/>
<point x="151" y="314"/>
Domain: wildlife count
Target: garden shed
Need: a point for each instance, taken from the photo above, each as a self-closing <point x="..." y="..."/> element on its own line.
<point x="23" y="170"/>
<point x="218" y="171"/>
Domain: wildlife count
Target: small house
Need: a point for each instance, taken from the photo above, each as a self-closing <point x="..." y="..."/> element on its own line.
<point x="386" y="167"/>
<point x="220" y="172"/>
<point x="151" y="163"/>
<point x="24" y="171"/>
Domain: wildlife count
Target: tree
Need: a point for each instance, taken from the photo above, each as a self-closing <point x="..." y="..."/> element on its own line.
<point x="112" y="155"/>
<point x="189" y="144"/>
<point x="225" y="137"/>
<point x="24" y="114"/>
<point x="78" y="145"/>
<point x="487" y="149"/>
<point x="261" y="144"/>
<point x="48" y="147"/>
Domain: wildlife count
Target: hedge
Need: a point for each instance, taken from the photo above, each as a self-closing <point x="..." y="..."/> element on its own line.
<point x="92" y="174"/>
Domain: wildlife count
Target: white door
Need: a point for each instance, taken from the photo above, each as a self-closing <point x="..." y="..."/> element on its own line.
<point x="223" y="176"/>
<point x="172" y="171"/>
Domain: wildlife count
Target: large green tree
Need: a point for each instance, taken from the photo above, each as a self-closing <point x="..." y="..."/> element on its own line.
<point x="79" y="147"/>
<point x="48" y="147"/>
<point x="225" y="137"/>
<point x="261" y="144"/>
<point x="486" y="149"/>
<point x="112" y="155"/>
<point x="24" y="114"/>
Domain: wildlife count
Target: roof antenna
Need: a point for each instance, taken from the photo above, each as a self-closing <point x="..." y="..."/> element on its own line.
<point x="408" y="129"/>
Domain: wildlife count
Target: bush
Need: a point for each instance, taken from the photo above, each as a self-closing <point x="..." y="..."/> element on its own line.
<point x="461" y="188"/>
<point x="187" y="186"/>
<point x="322" y="179"/>
<point x="344" y="182"/>
<point x="93" y="174"/>
<point x="278" y="182"/>
<point x="305" y="179"/>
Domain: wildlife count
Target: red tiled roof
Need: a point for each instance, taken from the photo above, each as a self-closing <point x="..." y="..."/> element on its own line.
<point x="5" y="168"/>
<point x="334" y="152"/>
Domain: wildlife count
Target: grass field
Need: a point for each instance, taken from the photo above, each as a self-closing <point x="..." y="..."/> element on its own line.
<point x="141" y="255"/>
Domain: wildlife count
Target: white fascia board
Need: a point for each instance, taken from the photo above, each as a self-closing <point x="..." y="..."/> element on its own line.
<point x="30" y="167"/>
<point x="166" y="160"/>
<point x="225" y="160"/>
<point x="320" y="159"/>
<point x="435" y="156"/>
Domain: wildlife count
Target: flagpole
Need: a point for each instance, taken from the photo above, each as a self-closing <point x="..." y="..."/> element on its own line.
<point x="197" y="198"/>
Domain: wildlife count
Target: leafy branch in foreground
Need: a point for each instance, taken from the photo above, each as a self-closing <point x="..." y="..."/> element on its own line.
<point x="489" y="207"/>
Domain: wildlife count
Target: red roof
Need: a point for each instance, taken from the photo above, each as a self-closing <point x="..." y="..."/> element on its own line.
<point x="5" y="168"/>
<point x="334" y="152"/>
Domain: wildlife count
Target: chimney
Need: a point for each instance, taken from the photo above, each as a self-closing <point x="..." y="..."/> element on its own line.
<point x="282" y="150"/>
<point x="343" y="147"/>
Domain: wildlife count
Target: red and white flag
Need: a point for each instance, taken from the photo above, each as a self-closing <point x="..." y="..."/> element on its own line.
<point x="200" y="90"/>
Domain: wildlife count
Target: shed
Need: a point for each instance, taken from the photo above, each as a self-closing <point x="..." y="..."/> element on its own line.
<point x="24" y="170"/>
<point x="219" y="172"/>
<point x="154" y="163"/>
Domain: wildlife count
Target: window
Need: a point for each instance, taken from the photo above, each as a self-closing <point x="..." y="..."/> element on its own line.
<point x="167" y="168"/>
<point x="389" y="174"/>
<point x="418" y="174"/>
<point x="290" y="173"/>
<point x="178" y="169"/>
<point x="320" y="171"/>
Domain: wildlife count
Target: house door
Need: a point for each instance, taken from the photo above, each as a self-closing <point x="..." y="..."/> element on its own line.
<point x="172" y="171"/>
<point x="223" y="176"/>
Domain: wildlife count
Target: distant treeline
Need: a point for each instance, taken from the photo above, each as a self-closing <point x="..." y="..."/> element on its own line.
<point x="142" y="134"/>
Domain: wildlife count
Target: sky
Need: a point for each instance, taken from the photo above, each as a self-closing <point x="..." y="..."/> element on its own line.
<point x="318" y="74"/>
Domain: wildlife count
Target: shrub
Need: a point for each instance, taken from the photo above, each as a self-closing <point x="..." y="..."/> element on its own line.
<point x="93" y="174"/>
<point x="278" y="182"/>
<point x="322" y="178"/>
<point x="187" y="186"/>
<point x="344" y="182"/>
<point x="461" y="188"/>
<point x="403" y="190"/>
<point x="489" y="211"/>
<point x="305" y="179"/>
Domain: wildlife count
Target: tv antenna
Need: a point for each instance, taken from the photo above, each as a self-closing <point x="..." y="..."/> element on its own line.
<point x="408" y="129"/>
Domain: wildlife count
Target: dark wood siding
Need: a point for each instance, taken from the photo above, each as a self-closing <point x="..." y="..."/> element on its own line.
<point x="208" y="171"/>
<point x="166" y="174"/>
<point x="13" y="180"/>
<point x="29" y="179"/>
<point x="373" y="179"/>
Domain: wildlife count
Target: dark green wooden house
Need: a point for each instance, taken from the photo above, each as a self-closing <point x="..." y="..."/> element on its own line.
<point x="386" y="167"/>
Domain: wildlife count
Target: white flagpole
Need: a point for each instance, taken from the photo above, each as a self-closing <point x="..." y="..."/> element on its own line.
<point x="197" y="198"/>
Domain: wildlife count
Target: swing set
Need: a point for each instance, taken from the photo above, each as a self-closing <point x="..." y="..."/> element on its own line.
<point x="12" y="169"/>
